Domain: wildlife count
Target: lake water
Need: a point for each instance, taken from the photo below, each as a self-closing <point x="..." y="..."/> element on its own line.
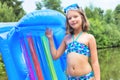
<point x="109" y="60"/>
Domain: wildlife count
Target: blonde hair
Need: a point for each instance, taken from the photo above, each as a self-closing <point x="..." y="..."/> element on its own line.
<point x="85" y="23"/>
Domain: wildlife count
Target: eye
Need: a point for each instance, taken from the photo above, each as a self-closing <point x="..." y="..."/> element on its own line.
<point x="69" y="18"/>
<point x="75" y="16"/>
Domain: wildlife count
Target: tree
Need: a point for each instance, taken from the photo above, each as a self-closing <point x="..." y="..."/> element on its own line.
<point x="7" y="13"/>
<point x="15" y="6"/>
<point x="38" y="5"/>
<point x="96" y="13"/>
<point x="117" y="15"/>
<point x="3" y="75"/>
<point x="89" y="12"/>
<point x="108" y="17"/>
<point x="50" y="4"/>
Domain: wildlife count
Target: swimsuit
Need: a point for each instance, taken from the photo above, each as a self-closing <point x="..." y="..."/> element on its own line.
<point x="84" y="77"/>
<point x="77" y="47"/>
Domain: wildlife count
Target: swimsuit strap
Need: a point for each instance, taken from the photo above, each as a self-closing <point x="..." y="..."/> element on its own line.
<point x="77" y="36"/>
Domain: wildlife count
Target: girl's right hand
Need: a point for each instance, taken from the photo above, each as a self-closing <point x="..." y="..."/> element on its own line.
<point x="49" y="33"/>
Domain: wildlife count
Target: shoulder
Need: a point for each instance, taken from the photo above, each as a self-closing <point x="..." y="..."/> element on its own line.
<point x="91" y="38"/>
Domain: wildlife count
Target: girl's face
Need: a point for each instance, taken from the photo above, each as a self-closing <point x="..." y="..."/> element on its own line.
<point x="74" y="19"/>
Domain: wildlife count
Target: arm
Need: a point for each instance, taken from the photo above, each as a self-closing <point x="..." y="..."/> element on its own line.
<point x="55" y="53"/>
<point x="94" y="57"/>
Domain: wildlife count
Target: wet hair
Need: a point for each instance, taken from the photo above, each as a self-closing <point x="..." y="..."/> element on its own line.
<point x="85" y="23"/>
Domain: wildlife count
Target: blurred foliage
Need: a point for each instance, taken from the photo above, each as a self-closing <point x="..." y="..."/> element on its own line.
<point x="117" y="15"/>
<point x="104" y="25"/>
<point x="11" y="10"/>
<point x="3" y="75"/>
<point x="49" y="4"/>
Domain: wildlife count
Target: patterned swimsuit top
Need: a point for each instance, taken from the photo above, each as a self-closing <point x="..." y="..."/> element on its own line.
<point x="77" y="47"/>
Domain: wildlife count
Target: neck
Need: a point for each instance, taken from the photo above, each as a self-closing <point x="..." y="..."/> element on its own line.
<point x="76" y="32"/>
<point x="77" y="36"/>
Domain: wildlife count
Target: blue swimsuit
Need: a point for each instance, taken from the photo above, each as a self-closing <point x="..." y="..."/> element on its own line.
<point x="83" y="77"/>
<point x="79" y="48"/>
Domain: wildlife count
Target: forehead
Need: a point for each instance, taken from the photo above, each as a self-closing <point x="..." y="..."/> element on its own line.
<point x="72" y="13"/>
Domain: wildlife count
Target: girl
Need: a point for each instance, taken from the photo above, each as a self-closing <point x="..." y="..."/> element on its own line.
<point x="78" y="45"/>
